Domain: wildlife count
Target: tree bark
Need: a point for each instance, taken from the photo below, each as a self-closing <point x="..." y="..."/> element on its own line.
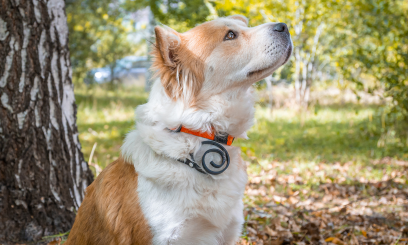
<point x="43" y="174"/>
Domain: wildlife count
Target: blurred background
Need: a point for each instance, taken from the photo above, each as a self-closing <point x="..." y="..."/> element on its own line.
<point x="331" y="132"/>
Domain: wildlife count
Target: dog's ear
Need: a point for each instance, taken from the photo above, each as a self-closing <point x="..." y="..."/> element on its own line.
<point x="167" y="41"/>
<point x="166" y="62"/>
<point x="180" y="71"/>
<point x="239" y="17"/>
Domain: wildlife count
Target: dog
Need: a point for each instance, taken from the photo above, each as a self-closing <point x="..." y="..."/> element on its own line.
<point x="163" y="189"/>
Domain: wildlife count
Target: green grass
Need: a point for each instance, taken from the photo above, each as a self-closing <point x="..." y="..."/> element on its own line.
<point x="104" y="118"/>
<point x="325" y="135"/>
<point x="330" y="135"/>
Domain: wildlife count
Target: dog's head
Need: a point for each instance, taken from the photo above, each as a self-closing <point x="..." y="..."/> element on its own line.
<point x="218" y="56"/>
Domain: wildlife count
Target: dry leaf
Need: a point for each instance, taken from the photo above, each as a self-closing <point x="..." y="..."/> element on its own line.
<point x="270" y="232"/>
<point x="251" y="230"/>
<point x="335" y="240"/>
<point x="55" y="242"/>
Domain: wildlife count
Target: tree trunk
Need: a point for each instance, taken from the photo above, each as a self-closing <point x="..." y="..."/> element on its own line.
<point x="43" y="174"/>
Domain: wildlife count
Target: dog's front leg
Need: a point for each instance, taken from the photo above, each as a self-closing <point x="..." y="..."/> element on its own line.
<point x="197" y="231"/>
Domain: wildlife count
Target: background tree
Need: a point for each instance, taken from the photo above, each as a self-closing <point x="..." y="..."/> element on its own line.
<point x="182" y="15"/>
<point x="373" y="34"/>
<point x="102" y="33"/>
<point x="43" y="173"/>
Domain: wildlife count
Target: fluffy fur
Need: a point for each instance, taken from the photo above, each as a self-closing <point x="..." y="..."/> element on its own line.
<point x="205" y="85"/>
<point x="109" y="214"/>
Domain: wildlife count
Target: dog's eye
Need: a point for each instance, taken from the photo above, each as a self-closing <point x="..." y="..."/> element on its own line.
<point x="230" y="35"/>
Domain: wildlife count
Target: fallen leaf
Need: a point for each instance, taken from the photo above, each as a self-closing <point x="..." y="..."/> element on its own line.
<point x="55" y="242"/>
<point x="251" y="230"/>
<point x="270" y="232"/>
<point x="335" y="240"/>
<point x="311" y="228"/>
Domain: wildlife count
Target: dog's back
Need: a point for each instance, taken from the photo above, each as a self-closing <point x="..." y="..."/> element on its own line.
<point x="110" y="213"/>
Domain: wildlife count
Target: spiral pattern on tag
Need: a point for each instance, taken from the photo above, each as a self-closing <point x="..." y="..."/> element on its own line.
<point x="224" y="156"/>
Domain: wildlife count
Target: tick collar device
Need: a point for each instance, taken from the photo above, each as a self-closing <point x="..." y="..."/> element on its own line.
<point x="215" y="140"/>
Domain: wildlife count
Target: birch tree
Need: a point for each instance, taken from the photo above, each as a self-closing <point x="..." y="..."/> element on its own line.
<point x="43" y="173"/>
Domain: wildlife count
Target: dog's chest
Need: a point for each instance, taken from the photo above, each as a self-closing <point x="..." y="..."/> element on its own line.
<point x="177" y="213"/>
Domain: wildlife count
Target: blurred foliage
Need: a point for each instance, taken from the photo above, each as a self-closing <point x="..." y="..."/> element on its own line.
<point x="100" y="30"/>
<point x="99" y="34"/>
<point x="360" y="44"/>
<point x="181" y="15"/>
<point x="376" y="48"/>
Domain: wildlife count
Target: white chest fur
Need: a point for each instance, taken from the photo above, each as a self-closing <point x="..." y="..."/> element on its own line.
<point x="183" y="206"/>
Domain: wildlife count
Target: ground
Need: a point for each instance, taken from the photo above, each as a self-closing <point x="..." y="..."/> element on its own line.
<point x="318" y="177"/>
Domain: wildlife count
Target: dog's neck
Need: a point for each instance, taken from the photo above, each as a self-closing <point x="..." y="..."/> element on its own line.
<point x="230" y="112"/>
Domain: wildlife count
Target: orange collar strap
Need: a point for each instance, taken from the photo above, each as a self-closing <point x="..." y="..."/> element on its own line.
<point x="223" y="139"/>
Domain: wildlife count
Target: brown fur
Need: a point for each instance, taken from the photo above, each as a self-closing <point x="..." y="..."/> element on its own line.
<point x="110" y="213"/>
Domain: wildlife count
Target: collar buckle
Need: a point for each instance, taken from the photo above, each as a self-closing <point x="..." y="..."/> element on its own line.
<point x="225" y="139"/>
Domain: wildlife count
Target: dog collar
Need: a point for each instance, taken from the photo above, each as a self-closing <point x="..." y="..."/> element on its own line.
<point x="223" y="139"/>
<point x="214" y="140"/>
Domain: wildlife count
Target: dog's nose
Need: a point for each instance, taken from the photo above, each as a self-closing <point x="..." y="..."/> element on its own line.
<point x="280" y="27"/>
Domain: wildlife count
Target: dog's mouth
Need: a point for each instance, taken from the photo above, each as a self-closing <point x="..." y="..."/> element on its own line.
<point x="274" y="66"/>
<point x="288" y="54"/>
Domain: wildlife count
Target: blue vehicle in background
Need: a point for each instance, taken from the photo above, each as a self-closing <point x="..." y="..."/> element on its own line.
<point x="130" y="70"/>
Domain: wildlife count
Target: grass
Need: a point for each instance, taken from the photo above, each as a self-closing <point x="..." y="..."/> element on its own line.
<point x="328" y="134"/>
<point x="332" y="134"/>
<point x="104" y="118"/>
